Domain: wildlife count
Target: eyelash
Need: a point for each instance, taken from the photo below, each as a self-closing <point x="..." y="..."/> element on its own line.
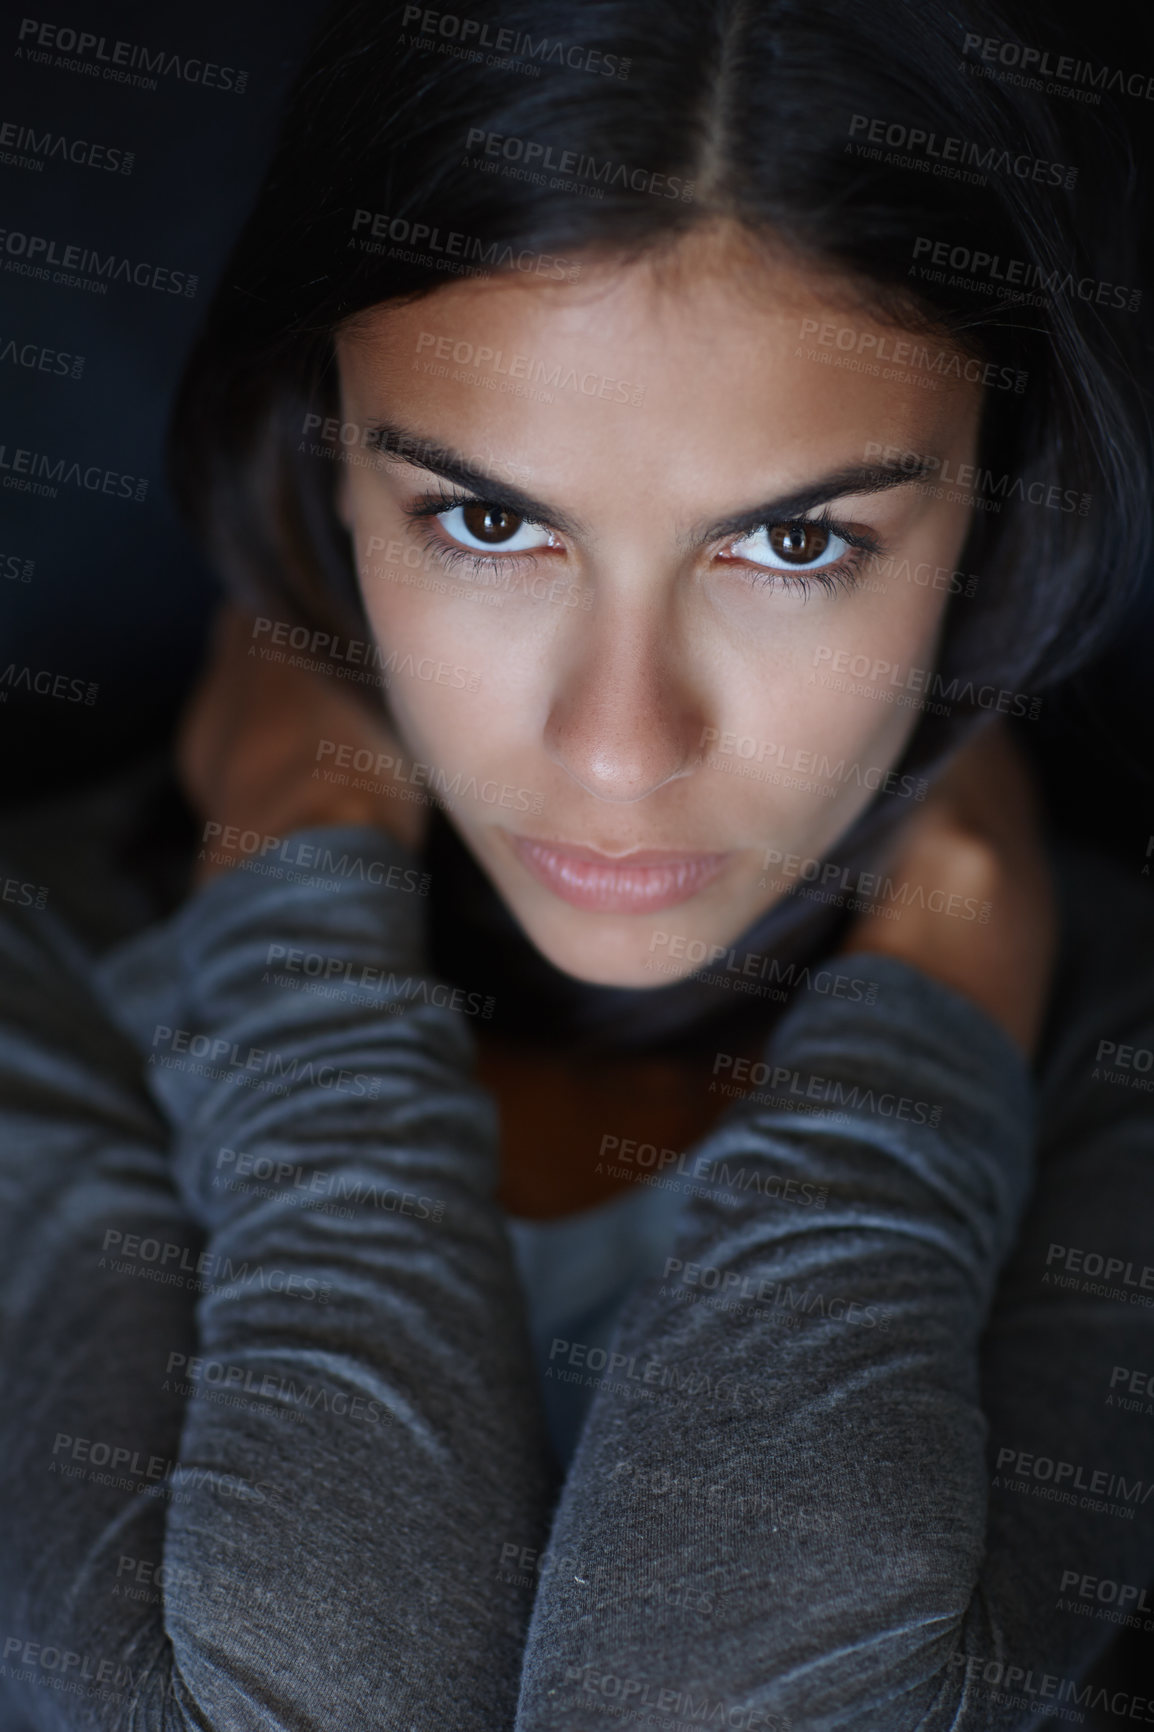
<point x="830" y="578"/>
<point x="425" y="511"/>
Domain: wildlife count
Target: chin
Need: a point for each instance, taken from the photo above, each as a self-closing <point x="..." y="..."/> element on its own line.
<point x="607" y="958"/>
<point x="634" y="976"/>
<point x="609" y="948"/>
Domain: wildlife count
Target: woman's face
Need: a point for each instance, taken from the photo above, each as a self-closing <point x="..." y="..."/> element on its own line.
<point x="634" y="552"/>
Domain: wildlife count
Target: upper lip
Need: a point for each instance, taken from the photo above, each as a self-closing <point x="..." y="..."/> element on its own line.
<point x="639" y="857"/>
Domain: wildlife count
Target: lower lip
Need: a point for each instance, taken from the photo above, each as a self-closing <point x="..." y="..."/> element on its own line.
<point x="617" y="887"/>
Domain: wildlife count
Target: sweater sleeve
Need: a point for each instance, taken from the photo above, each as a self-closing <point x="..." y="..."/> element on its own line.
<point x="271" y="1413"/>
<point x="812" y="1491"/>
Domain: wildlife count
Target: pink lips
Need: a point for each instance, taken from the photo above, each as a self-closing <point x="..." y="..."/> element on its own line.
<point x="641" y="883"/>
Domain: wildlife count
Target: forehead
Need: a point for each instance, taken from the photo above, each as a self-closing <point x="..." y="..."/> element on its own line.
<point x="688" y="363"/>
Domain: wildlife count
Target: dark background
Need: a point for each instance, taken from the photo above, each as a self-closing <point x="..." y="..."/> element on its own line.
<point x="119" y="595"/>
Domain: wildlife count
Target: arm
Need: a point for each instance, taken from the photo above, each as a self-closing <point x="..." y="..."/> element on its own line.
<point x="798" y="1527"/>
<point x="228" y="1502"/>
<point x="811" y="1468"/>
<point x="374" y="1112"/>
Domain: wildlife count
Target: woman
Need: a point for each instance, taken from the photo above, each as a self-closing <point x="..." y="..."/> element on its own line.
<point x="704" y="642"/>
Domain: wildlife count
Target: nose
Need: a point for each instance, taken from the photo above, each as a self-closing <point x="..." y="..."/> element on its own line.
<point x="625" y="716"/>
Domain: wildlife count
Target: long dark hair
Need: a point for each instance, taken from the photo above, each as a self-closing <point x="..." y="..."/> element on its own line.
<point x="882" y="138"/>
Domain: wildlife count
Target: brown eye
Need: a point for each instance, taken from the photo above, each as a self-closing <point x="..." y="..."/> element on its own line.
<point x="491" y="523"/>
<point x="799" y="543"/>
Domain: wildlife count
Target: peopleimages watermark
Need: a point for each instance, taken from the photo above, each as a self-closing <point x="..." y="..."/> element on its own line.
<point x="274" y="853"/>
<point x="359" y="659"/>
<point x="505" y="45"/>
<point x="950" y="156"/>
<point x="461" y="375"/>
<point x="39" y="358"/>
<point x="363" y="444"/>
<point x="24" y="147"/>
<point x="584" y="1365"/>
<point x="206" y="1271"/>
<point x="761" y="967"/>
<point x="133" y="1470"/>
<point x="224" y="1060"/>
<point x="17" y="568"/>
<point x="727" y="1290"/>
<point x="1032" y="283"/>
<point x="1139" y="1385"/>
<point x="46" y="684"/>
<point x="382" y="441"/>
<point x="873" y="890"/>
<point x="409" y="779"/>
<point x="743" y="969"/>
<point x="315" y="971"/>
<point x="828" y="1090"/>
<point x="1106" y="1591"/>
<point x="1011" y="1686"/>
<point x="82" y="267"/>
<point x="1125" y="1066"/>
<point x="702" y="1171"/>
<point x="732" y="1499"/>
<point x="27" y="471"/>
<point x="487" y="362"/>
<point x="914" y="687"/>
<point x="1107" y="1600"/>
<point x="328" y="1193"/>
<point x="119" y="61"/>
<point x="501" y="151"/>
<point x="68" y="1670"/>
<point x="1083" y="1269"/>
<point x="922" y="575"/>
<point x="418" y="242"/>
<point x="976" y="483"/>
<point x="1058" y="75"/>
<point x="23" y="892"/>
<point x="198" y="1371"/>
<point x="642" y="1701"/>
<point x="1117" y="1494"/>
<point x="625" y="1374"/>
<point x="906" y="358"/>
<point x="148" y="1579"/>
<point x="802" y="768"/>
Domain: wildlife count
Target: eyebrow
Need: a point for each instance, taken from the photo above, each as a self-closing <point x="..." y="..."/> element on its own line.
<point x="441" y="460"/>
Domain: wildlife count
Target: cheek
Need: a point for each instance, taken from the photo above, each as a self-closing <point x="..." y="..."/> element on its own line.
<point x="797" y="756"/>
<point x="445" y="658"/>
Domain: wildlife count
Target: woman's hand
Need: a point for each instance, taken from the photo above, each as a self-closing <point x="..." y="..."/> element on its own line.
<point x="976" y="839"/>
<point x="249" y="752"/>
